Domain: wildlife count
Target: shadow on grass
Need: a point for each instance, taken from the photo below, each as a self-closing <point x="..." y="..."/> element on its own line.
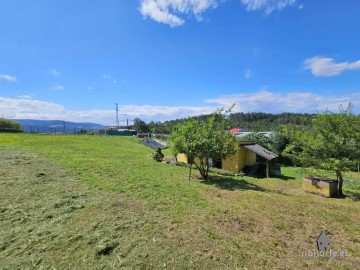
<point x="231" y="184"/>
<point x="285" y="178"/>
<point x="355" y="196"/>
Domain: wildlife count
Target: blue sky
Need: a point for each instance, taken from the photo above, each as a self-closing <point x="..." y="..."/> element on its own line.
<point x="166" y="59"/>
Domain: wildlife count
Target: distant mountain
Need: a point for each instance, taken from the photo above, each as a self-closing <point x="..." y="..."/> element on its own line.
<point x="53" y="126"/>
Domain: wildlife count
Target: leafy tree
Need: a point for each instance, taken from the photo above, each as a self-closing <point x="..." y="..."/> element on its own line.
<point x="156" y="127"/>
<point x="203" y="140"/>
<point x="333" y="142"/>
<point x="8" y="125"/>
<point x="140" y="126"/>
<point x="267" y="142"/>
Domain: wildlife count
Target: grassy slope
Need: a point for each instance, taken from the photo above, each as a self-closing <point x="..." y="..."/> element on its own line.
<point x="136" y="212"/>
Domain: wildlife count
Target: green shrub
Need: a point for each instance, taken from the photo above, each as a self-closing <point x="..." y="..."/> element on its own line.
<point x="296" y="160"/>
<point x="158" y="156"/>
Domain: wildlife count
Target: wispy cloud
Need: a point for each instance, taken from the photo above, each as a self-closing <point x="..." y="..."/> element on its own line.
<point x="58" y="87"/>
<point x="248" y="73"/>
<point x="261" y="101"/>
<point x="166" y="11"/>
<point x="327" y="67"/>
<point x="276" y="102"/>
<point x="268" y="5"/>
<point x="54" y="72"/>
<point x="170" y="11"/>
<point x="25" y="96"/>
<point x="7" y="77"/>
<point x="109" y="78"/>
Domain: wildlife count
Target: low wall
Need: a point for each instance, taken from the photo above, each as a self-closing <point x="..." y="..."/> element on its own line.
<point x="323" y="186"/>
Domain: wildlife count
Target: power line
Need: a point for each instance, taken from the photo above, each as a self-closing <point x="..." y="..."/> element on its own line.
<point x="117" y="115"/>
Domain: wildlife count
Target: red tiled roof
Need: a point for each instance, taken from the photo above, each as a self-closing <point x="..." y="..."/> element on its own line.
<point x="233" y="130"/>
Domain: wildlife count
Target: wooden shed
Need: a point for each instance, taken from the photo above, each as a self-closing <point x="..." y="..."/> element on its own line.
<point x="246" y="155"/>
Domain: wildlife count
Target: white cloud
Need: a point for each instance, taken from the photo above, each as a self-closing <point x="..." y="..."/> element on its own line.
<point x="275" y="102"/>
<point x="54" y="72"/>
<point x="109" y="78"/>
<point x="326" y="67"/>
<point x="261" y="101"/>
<point x="248" y="73"/>
<point x="58" y="87"/>
<point x="7" y="77"/>
<point x="170" y="11"/>
<point x="268" y="5"/>
<point x="25" y="108"/>
<point x="167" y="11"/>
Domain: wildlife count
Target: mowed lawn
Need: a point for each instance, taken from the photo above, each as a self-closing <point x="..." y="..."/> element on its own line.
<point x="91" y="202"/>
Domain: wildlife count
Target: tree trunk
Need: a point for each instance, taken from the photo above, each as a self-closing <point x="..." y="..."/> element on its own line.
<point x="190" y="168"/>
<point x="207" y="169"/>
<point x="202" y="168"/>
<point x="340" y="183"/>
<point x="267" y="169"/>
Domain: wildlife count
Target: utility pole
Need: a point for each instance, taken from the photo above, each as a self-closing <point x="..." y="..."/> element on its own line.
<point x="117" y="115"/>
<point x="127" y="122"/>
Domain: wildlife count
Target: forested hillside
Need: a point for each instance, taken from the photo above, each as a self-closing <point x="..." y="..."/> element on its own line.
<point x="255" y="121"/>
<point x="267" y="121"/>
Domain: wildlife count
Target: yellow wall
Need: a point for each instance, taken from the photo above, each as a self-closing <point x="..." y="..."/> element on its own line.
<point x="321" y="187"/>
<point x="231" y="163"/>
<point x="182" y="158"/>
<point x="250" y="158"/>
<point x="239" y="160"/>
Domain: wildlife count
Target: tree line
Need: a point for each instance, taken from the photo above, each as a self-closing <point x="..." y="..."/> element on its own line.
<point x="9" y="126"/>
<point x="253" y="121"/>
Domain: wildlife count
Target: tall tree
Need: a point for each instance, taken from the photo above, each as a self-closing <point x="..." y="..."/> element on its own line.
<point x="203" y="140"/>
<point x="140" y="126"/>
<point x="333" y="142"/>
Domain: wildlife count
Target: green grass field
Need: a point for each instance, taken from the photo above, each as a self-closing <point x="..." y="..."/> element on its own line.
<point x="90" y="202"/>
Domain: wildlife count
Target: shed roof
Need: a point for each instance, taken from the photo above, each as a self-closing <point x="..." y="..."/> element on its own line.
<point x="261" y="151"/>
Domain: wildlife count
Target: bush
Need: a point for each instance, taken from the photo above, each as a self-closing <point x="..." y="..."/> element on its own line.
<point x="158" y="156"/>
<point x="295" y="160"/>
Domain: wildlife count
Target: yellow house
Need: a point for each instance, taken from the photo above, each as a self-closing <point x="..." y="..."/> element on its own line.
<point x="245" y="155"/>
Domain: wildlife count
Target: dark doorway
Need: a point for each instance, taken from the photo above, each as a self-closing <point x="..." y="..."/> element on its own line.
<point x="217" y="163"/>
